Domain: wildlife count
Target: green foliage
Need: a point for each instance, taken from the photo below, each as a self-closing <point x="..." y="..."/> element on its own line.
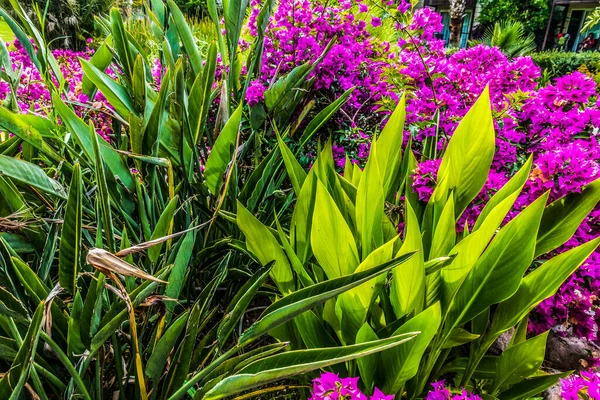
<point x="510" y="37"/>
<point x="559" y="63"/>
<point x="459" y="291"/>
<point x="533" y="14"/>
<point x="128" y="249"/>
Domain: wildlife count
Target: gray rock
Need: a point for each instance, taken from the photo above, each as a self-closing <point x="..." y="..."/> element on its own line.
<point x="568" y="353"/>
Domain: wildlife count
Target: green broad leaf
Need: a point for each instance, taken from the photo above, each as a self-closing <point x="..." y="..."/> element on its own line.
<point x="90" y="314"/>
<point x="367" y="365"/>
<point x="213" y="8"/>
<point x="263" y="244"/>
<point x="519" y="362"/>
<point x="469" y="250"/>
<point x="80" y="131"/>
<point x="139" y="84"/>
<point x="180" y="267"/>
<point x="542" y="283"/>
<point x="285" y="365"/>
<point x="389" y="156"/>
<point x="466" y="163"/>
<point x="22" y="37"/>
<point x="240" y="303"/>
<point x="103" y="194"/>
<point x="152" y="133"/>
<point x="181" y="362"/>
<point x="294" y="169"/>
<point x="187" y="38"/>
<point x="407" y="288"/>
<point x="301" y="224"/>
<point x="305" y="299"/>
<point x="24" y="128"/>
<point x="401" y="363"/>
<point x="312" y="331"/>
<point x="75" y="345"/>
<point x="323" y="116"/>
<point x="369" y="204"/>
<point x="234" y="12"/>
<point x="303" y="277"/>
<point x="69" y="253"/>
<point x="354" y="305"/>
<point x="116" y="94"/>
<point x="562" y="217"/>
<point x="199" y="98"/>
<point x="458" y="337"/>
<point x="514" y="185"/>
<point x="222" y="151"/>
<point x="531" y="387"/>
<point x="120" y="43"/>
<point x="13" y="381"/>
<point x="101" y="60"/>
<point x="285" y="86"/>
<point x="163" y="228"/>
<point x="30" y="174"/>
<point x="12" y="307"/>
<point x="329" y="226"/>
<point x="35" y="288"/>
<point x="444" y="236"/>
<point x="497" y="274"/>
<point x="160" y="354"/>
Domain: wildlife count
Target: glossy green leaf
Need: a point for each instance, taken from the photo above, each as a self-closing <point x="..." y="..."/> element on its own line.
<point x="369" y="204"/>
<point x="199" y="99"/>
<point x="103" y="194"/>
<point x="562" y="217"/>
<point x="187" y="38"/>
<point x="468" y="157"/>
<point x="400" y="364"/>
<point x="305" y="299"/>
<point x="116" y="94"/>
<point x="71" y="237"/>
<point x="160" y="354"/>
<point x="329" y="226"/>
<point x="30" y="174"/>
<point x="496" y="276"/>
<point x="520" y="361"/>
<point x="180" y="268"/>
<point x="222" y="151"/>
<point x="323" y="116"/>
<point x="532" y="387"/>
<point x="294" y="169"/>
<point x="389" y="154"/>
<point x="292" y="363"/>
<point x="240" y="303"/>
<point x="163" y="228"/>
<point x="540" y="284"/>
<point x="407" y="288"/>
<point x="261" y="242"/>
<point x="13" y="381"/>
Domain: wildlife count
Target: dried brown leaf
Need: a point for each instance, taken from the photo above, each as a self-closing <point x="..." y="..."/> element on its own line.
<point x="108" y="264"/>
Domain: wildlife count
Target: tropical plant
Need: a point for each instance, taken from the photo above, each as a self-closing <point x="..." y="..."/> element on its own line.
<point x="509" y="36"/>
<point x="533" y="14"/>
<point x="121" y="270"/>
<point x="591" y="21"/>
<point x="64" y="23"/>
<point x="461" y="290"/>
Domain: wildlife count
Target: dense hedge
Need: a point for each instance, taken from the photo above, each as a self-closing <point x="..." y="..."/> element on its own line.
<point x="562" y="63"/>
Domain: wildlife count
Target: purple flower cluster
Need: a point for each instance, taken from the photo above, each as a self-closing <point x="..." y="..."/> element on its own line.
<point x="440" y="392"/>
<point x="34" y="97"/>
<point x="577" y="386"/>
<point x="300" y="30"/>
<point x="330" y="386"/>
<point x="558" y="124"/>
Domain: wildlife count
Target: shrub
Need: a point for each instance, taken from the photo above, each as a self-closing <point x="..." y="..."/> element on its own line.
<point x="559" y="63"/>
<point x="459" y="289"/>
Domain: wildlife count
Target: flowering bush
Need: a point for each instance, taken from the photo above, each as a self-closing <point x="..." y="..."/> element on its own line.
<point x="584" y="385"/>
<point x="440" y="392"/>
<point x="330" y="386"/>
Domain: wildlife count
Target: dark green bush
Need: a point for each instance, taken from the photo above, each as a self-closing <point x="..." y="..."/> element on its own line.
<point x="561" y="63"/>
